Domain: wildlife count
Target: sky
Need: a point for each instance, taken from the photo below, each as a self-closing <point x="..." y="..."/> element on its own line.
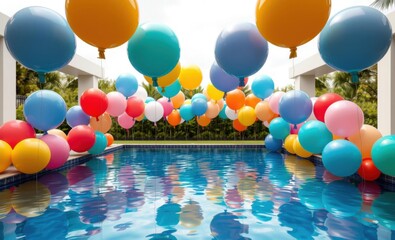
<point x="197" y="24"/>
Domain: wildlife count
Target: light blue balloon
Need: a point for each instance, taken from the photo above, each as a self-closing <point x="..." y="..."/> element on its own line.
<point x="222" y="113"/>
<point x="45" y="110"/>
<point x="198" y="96"/>
<point x="199" y="107"/>
<point x="279" y="128"/>
<point x="222" y="80"/>
<point x="383" y="152"/>
<point x="75" y="116"/>
<point x="273" y="144"/>
<point x="295" y="106"/>
<point x="171" y="90"/>
<point x="126" y="84"/>
<point x="149" y="99"/>
<point x="100" y="143"/>
<point x="186" y="112"/>
<point x="314" y="136"/>
<point x="241" y="50"/>
<point x="40" y="39"/>
<point x="354" y="39"/>
<point x="341" y="158"/>
<point x="262" y="86"/>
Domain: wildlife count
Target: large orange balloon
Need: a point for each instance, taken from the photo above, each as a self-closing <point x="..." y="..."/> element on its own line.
<point x="168" y="79"/>
<point x="290" y="24"/>
<point x="263" y="111"/>
<point x="365" y="138"/>
<point x="178" y="99"/>
<point x="102" y="23"/>
<point x="251" y="100"/>
<point x="246" y="116"/>
<point x="203" y="120"/>
<point x="102" y="123"/>
<point x="174" y="118"/>
<point x="190" y="77"/>
<point x="235" y="99"/>
<point x="238" y="126"/>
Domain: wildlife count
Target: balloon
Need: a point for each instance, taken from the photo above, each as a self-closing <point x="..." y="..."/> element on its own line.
<point x="190" y="77"/>
<point x="40" y="39"/>
<point x="222" y="80"/>
<point x="214" y="93"/>
<point x="30" y="156"/>
<point x="354" y="39"/>
<point x="171" y="90"/>
<point x="289" y="143"/>
<point x="94" y="102"/>
<point x="251" y="100"/>
<point x="323" y="102"/>
<point x="135" y="106"/>
<point x="222" y="113"/>
<point x="383" y="154"/>
<point x="45" y="109"/>
<point x="299" y="150"/>
<point x="230" y="113"/>
<point x="149" y="99"/>
<point x="153" y="111"/>
<point x="203" y="120"/>
<point x="341" y="158"/>
<point x="262" y="86"/>
<point x="344" y="118"/>
<point x="31" y="199"/>
<point x="238" y="126"/>
<point x="275" y="100"/>
<point x="178" y="99"/>
<point x="279" y="128"/>
<point x="263" y="111"/>
<point x="102" y="123"/>
<point x="126" y="121"/>
<point x="314" y="136"/>
<point x="220" y="103"/>
<point x="295" y="128"/>
<point x="100" y="143"/>
<point x="94" y="22"/>
<point x="167" y="106"/>
<point x="241" y="51"/>
<point x="212" y="110"/>
<point x="174" y="118"/>
<point x="199" y="106"/>
<point x="167" y="79"/>
<point x="14" y="131"/>
<point x="368" y="170"/>
<point x="126" y="84"/>
<point x="365" y="138"/>
<point x="58" y="132"/>
<point x="5" y="156"/>
<point x="186" y="112"/>
<point x="308" y="18"/>
<point x="81" y="138"/>
<point x="59" y="149"/>
<point x="273" y="144"/>
<point x="110" y="139"/>
<point x="75" y="116"/>
<point x="141" y="93"/>
<point x="199" y="96"/>
<point x="295" y="106"/>
<point x="246" y="116"/>
<point x="116" y="103"/>
<point x="235" y="99"/>
<point x="154" y="50"/>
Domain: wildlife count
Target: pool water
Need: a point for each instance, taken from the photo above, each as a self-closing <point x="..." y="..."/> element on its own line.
<point x="196" y="193"/>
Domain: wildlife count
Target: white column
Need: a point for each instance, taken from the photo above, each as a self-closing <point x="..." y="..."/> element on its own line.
<point x="85" y="82"/>
<point x="7" y="84"/>
<point x="386" y="92"/>
<point x="306" y="83"/>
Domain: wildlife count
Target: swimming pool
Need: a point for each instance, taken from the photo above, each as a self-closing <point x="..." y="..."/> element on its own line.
<point x="196" y="193"/>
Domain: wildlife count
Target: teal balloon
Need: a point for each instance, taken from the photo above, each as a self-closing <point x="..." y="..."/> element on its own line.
<point x="341" y="158"/>
<point x="222" y="113"/>
<point x="100" y="143"/>
<point x="262" y="86"/>
<point x="186" y="112"/>
<point x="279" y="128"/>
<point x="171" y="90"/>
<point x="149" y="99"/>
<point x="314" y="136"/>
<point x="198" y="96"/>
<point x="383" y="152"/>
<point x="153" y="50"/>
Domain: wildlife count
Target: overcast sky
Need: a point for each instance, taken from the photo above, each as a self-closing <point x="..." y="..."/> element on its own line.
<point x="197" y="24"/>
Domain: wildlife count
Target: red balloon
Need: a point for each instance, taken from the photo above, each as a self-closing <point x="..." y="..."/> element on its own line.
<point x="135" y="107"/>
<point x="14" y="131"/>
<point x="368" y="170"/>
<point x="81" y="138"/>
<point x="323" y="102"/>
<point x="94" y="102"/>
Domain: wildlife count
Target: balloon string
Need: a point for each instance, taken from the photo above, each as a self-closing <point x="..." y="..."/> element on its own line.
<point x="354" y="77"/>
<point x="41" y="77"/>
<point x="101" y="53"/>
<point x="155" y="81"/>
<point x="241" y="82"/>
<point x="293" y="53"/>
<point x="163" y="89"/>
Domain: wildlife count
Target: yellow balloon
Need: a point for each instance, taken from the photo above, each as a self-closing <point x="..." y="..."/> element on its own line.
<point x="102" y="23"/>
<point x="289" y="143"/>
<point x="58" y="132"/>
<point x="5" y="156"/>
<point x="290" y="24"/>
<point x="168" y="79"/>
<point x="246" y="116"/>
<point x="190" y="77"/>
<point x="214" y="93"/>
<point x="299" y="150"/>
<point x="31" y="199"/>
<point x="5" y="203"/>
<point x="31" y="155"/>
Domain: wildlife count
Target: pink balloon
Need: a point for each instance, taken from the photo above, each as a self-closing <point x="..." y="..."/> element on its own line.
<point x="59" y="148"/>
<point x="116" y="103"/>
<point x="344" y="118"/>
<point x="295" y="130"/>
<point x="126" y="121"/>
<point x="275" y="100"/>
<point x="167" y="106"/>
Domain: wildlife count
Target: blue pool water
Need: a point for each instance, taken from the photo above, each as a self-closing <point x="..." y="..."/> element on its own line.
<point x="196" y="193"/>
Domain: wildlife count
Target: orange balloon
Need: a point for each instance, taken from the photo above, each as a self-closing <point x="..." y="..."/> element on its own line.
<point x="335" y="137"/>
<point x="174" y="118"/>
<point x="235" y="99"/>
<point x="58" y="132"/>
<point x="365" y="138"/>
<point x="251" y="100"/>
<point x="212" y="110"/>
<point x="110" y="139"/>
<point x="203" y="120"/>
<point x="102" y="124"/>
<point x="178" y="99"/>
<point x="263" y="111"/>
<point x="140" y="118"/>
<point x="238" y="126"/>
<point x="168" y="79"/>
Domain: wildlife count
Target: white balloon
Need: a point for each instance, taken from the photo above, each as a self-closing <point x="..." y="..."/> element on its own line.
<point x="153" y="111"/>
<point x="230" y="113"/>
<point x="141" y="93"/>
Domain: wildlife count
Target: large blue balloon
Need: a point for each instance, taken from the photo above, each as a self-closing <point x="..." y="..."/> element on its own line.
<point x="314" y="136"/>
<point x="40" y="39"/>
<point x="295" y="106"/>
<point x="341" y="158"/>
<point x="171" y="90"/>
<point x="75" y="116"/>
<point x="262" y="86"/>
<point x="279" y="128"/>
<point x="241" y="50"/>
<point x="199" y="107"/>
<point x="222" y="80"/>
<point x="45" y="110"/>
<point x="126" y="84"/>
<point x="354" y="39"/>
<point x="273" y="144"/>
<point x="186" y="112"/>
<point x="100" y="143"/>
<point x="383" y="152"/>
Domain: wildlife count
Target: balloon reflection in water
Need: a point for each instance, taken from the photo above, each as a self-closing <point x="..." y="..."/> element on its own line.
<point x="310" y="194"/>
<point x="278" y="175"/>
<point x="168" y="215"/>
<point x="298" y="218"/>
<point x="134" y="199"/>
<point x="94" y="210"/>
<point x="81" y="179"/>
<point x="116" y="201"/>
<point x="344" y="228"/>
<point x="162" y="235"/>
<point x="303" y="169"/>
<point x="191" y="214"/>
<point x="233" y="198"/>
<point x="369" y="190"/>
<point x="226" y="226"/>
<point x="52" y="224"/>
<point x="5" y="203"/>
<point x="384" y="210"/>
<point x="57" y="184"/>
<point x="263" y="210"/>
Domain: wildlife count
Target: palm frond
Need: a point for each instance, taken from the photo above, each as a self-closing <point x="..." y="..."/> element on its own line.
<point x="383" y="4"/>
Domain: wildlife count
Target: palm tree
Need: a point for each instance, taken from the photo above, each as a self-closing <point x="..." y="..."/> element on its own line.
<point x="151" y="91"/>
<point x="383" y="4"/>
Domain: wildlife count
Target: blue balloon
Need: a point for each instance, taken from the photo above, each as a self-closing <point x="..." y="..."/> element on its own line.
<point x="222" y="80"/>
<point x="40" y="39"/>
<point x="314" y="136"/>
<point x="186" y="112"/>
<point x="354" y="39"/>
<point x="45" y="110"/>
<point x="222" y="113"/>
<point x="171" y="90"/>
<point x="75" y="116"/>
<point x="273" y="144"/>
<point x="199" y="107"/>
<point x="279" y="128"/>
<point x="149" y="99"/>
<point x="383" y="154"/>
<point x="198" y="96"/>
<point x="126" y="84"/>
<point x="241" y="50"/>
<point x="341" y="158"/>
<point x="100" y="143"/>
<point x="295" y="106"/>
<point x="262" y="86"/>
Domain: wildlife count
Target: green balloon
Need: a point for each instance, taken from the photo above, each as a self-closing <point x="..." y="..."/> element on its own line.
<point x="383" y="154"/>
